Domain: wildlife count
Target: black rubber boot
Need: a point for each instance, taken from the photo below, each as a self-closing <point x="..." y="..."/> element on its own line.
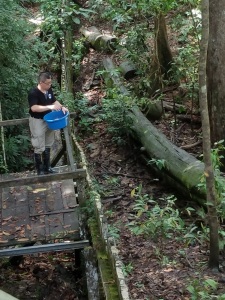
<point x="46" y="160"/>
<point x="38" y="163"/>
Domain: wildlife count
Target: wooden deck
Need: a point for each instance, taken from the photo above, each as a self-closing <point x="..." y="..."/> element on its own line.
<point x="39" y="212"/>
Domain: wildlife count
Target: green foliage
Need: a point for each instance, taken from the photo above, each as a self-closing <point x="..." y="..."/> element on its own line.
<point x="89" y="207"/>
<point x="134" y="21"/>
<point x="78" y="52"/>
<point x="123" y="11"/>
<point x="160" y="163"/>
<point x="112" y="181"/>
<point x="25" y="2"/>
<point x="3" y="167"/>
<point x="193" y="234"/>
<point x="140" y="51"/>
<point x="113" y="232"/>
<point x="127" y="269"/>
<point x="19" y="51"/>
<point x="67" y="99"/>
<point x="16" y="147"/>
<point x="82" y="109"/>
<point x="17" y="58"/>
<point x="60" y="16"/>
<point x="156" y="221"/>
<point x="204" y="290"/>
<point x="185" y="62"/>
<point x="115" y="107"/>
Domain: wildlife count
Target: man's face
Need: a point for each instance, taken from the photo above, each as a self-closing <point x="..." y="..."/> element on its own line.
<point x="45" y="85"/>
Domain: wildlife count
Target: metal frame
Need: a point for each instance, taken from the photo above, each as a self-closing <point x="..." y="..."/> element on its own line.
<point x="44" y="248"/>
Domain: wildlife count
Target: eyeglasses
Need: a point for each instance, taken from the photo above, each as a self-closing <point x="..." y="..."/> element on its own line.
<point x="47" y="83"/>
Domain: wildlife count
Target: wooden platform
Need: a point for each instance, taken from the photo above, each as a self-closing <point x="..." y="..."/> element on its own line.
<point x="39" y="212"/>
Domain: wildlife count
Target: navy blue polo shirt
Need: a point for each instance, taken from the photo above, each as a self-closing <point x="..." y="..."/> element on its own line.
<point x="35" y="96"/>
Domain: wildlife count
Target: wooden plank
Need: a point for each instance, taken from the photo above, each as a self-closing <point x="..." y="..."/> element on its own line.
<point x="70" y="200"/>
<point x="54" y="225"/>
<point x="22" y="121"/>
<point x="15" y="213"/>
<point x="37" y="198"/>
<point x="38" y="212"/>
<point x="55" y="212"/>
<point x="14" y="122"/>
<point x="54" y="197"/>
<point x="68" y="194"/>
<point x="51" y="211"/>
<point x="71" y="221"/>
<point x="79" y="173"/>
<point x="38" y="228"/>
<point x="37" y="204"/>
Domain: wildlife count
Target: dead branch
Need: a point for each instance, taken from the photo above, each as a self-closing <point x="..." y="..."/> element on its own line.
<point x="191" y="145"/>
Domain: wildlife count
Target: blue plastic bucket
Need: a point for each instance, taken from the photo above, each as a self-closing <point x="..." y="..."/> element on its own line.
<point x="56" y="119"/>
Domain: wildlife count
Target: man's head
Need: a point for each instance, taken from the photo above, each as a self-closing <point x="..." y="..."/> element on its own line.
<point x="45" y="80"/>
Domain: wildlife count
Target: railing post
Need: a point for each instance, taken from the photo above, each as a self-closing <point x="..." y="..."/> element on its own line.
<point x="69" y="148"/>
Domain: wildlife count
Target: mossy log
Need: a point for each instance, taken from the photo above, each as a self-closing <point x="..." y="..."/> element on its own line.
<point x="182" y="169"/>
<point x="128" y="69"/>
<point x="98" y="40"/>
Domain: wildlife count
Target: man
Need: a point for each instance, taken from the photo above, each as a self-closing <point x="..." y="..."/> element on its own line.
<point x="42" y="101"/>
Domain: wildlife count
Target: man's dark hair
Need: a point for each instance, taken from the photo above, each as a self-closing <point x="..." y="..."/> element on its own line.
<point x="43" y="76"/>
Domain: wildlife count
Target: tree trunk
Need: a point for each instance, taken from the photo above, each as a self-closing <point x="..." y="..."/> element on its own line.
<point x="3" y="140"/>
<point x="162" y="58"/>
<point x="216" y="70"/>
<point x="162" y="47"/>
<point x="209" y="172"/>
<point x="67" y="82"/>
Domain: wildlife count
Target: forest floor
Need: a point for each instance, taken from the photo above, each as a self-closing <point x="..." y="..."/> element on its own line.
<point x="156" y="267"/>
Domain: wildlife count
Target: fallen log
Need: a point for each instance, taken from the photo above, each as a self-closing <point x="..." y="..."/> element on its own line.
<point x="178" y="165"/>
<point x="98" y="40"/>
<point x="128" y="69"/>
<point x="194" y="119"/>
<point x="174" y="107"/>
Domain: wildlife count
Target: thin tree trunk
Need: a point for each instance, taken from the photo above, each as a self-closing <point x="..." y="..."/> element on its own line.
<point x="162" y="58"/>
<point x="3" y="139"/>
<point x="67" y="54"/>
<point x="162" y="46"/>
<point x="209" y="173"/>
<point x="216" y="72"/>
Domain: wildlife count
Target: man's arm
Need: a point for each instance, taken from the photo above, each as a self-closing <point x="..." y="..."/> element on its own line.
<point x="55" y="106"/>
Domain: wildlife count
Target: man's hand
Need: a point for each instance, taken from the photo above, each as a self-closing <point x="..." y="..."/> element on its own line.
<point x="56" y="106"/>
<point x="64" y="109"/>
